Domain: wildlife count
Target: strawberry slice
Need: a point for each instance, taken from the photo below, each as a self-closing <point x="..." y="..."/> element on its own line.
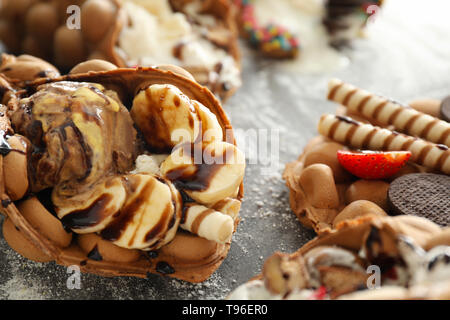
<point x="319" y="294"/>
<point x="373" y="164"/>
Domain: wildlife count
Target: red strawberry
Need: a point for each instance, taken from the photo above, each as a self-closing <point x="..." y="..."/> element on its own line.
<point x="373" y="164"/>
<point x="319" y="294"/>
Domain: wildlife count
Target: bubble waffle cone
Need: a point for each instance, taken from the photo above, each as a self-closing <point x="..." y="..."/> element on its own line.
<point x="69" y="32"/>
<point x="334" y="264"/>
<point x="110" y="243"/>
<point x="323" y="193"/>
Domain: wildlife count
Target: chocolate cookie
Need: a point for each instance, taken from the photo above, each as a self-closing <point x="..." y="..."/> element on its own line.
<point x="422" y="194"/>
<point x="445" y="109"/>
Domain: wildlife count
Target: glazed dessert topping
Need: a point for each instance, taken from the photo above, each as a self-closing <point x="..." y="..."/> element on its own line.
<point x="371" y="164"/>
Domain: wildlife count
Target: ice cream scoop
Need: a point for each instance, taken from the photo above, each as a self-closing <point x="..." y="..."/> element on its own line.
<point x="81" y="145"/>
<point x="80" y="132"/>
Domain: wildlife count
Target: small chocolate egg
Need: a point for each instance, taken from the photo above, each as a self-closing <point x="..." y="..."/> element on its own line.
<point x="17" y="241"/>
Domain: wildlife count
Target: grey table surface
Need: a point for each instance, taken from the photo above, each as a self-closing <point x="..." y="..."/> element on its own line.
<point x="405" y="56"/>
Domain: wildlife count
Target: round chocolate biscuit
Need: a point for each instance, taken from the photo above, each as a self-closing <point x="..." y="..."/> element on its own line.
<point x="422" y="194"/>
<point x="445" y="109"/>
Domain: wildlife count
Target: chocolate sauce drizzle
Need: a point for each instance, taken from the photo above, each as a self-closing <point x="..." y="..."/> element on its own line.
<point x="94" y="254"/>
<point x="88" y="217"/>
<point x="164" y="268"/>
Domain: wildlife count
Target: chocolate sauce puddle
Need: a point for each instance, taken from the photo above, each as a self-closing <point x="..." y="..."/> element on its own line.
<point x="87" y="217"/>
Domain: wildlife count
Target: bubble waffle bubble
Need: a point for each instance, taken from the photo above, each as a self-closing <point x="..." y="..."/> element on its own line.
<point x="323" y="193"/>
<point x="200" y="36"/>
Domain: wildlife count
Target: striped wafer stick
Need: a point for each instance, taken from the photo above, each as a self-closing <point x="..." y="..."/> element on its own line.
<point x="228" y="206"/>
<point x="388" y="112"/>
<point x="207" y="223"/>
<point x="366" y="136"/>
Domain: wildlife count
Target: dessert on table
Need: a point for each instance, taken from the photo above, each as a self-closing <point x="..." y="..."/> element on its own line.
<point x="200" y="36"/>
<point x="121" y="171"/>
<point x="368" y="258"/>
<point x="290" y="28"/>
<point x="375" y="187"/>
<point x="375" y="156"/>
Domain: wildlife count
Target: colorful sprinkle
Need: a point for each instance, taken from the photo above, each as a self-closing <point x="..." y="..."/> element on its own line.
<point x="271" y="37"/>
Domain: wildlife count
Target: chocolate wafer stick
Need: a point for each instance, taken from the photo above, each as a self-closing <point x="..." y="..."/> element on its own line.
<point x="365" y="136"/>
<point x="388" y="112"/>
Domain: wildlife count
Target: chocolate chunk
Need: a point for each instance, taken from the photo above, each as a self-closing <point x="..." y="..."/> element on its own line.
<point x="95" y="254"/>
<point x="445" y="109"/>
<point x="164" y="268"/>
<point x="422" y="194"/>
